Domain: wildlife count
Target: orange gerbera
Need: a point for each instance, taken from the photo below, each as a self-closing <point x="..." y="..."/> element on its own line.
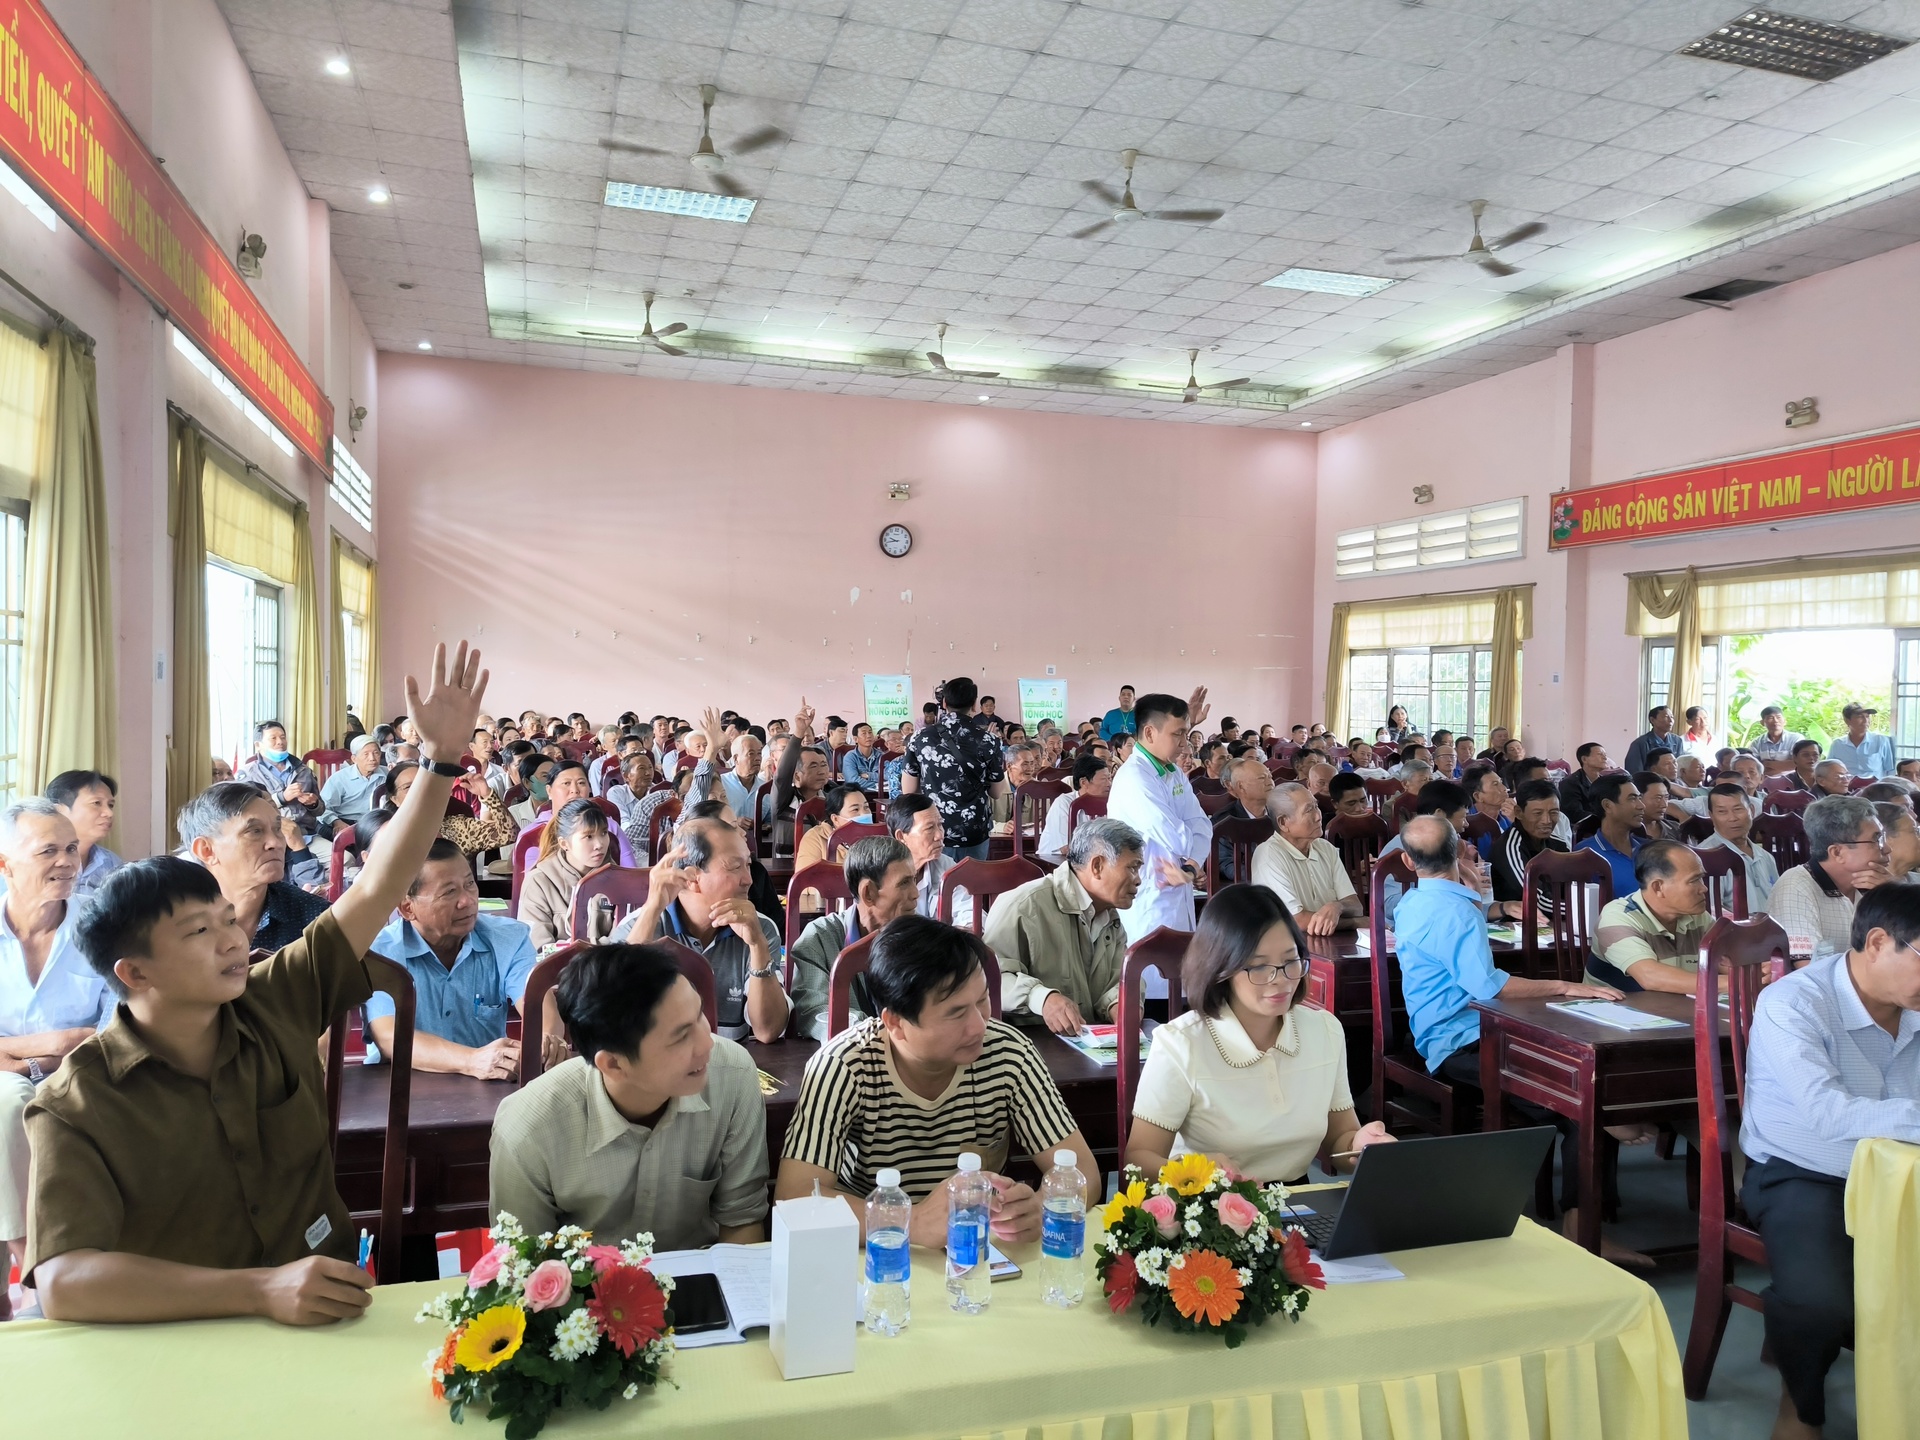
<point x="443" y="1367"/>
<point x="1205" y="1286"/>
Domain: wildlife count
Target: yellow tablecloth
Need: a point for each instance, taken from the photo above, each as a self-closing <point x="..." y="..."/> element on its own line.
<point x="1883" y="1216"/>
<point x="1529" y="1336"/>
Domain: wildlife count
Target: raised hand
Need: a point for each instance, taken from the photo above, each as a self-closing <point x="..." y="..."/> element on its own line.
<point x="1197" y="707"/>
<point x="445" y="715"/>
<point x="667" y="880"/>
<point x="803" y="719"/>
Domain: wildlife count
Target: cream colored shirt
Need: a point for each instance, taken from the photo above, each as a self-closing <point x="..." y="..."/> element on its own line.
<point x="1263" y="1113"/>
<point x="563" y="1155"/>
<point x="1305" y="882"/>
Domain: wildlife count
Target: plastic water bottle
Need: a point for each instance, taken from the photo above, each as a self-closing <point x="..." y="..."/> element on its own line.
<point x="889" y="1277"/>
<point x="1063" y="1232"/>
<point x="969" y="1272"/>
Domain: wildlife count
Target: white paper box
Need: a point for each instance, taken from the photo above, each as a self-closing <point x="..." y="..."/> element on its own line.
<point x="815" y="1287"/>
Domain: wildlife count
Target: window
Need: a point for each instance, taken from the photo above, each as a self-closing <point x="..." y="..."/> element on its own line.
<point x="13" y="641"/>
<point x="243" y="657"/>
<point x="351" y="488"/>
<point x="1656" y="688"/>
<point x="1433" y="542"/>
<point x="1442" y="688"/>
<point x="1906" y="694"/>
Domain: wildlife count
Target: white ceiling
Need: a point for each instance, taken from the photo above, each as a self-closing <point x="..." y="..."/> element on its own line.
<point x="936" y="161"/>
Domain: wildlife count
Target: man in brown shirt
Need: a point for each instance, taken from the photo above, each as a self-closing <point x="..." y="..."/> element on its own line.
<point x="180" y="1160"/>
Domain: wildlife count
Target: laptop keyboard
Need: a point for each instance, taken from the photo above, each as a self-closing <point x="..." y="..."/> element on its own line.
<point x="1319" y="1227"/>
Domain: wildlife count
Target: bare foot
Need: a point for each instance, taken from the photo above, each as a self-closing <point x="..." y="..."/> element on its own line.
<point x="1634" y="1134"/>
<point x="1788" y="1425"/>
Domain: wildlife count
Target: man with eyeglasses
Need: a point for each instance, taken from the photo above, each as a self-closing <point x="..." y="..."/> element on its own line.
<point x="1832" y="1059"/>
<point x="1814" y="902"/>
<point x="1650" y="940"/>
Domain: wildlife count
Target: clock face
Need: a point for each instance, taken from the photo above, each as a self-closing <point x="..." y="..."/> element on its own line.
<point x="896" y="540"/>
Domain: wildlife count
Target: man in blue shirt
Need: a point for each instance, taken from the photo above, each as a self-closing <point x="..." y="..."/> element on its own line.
<point x="1616" y="800"/>
<point x="282" y="774"/>
<point x="348" y="792"/>
<point x="863" y="764"/>
<point x="1659" y="737"/>
<point x="1119" y="720"/>
<point x="467" y="968"/>
<point x="1833" y="1059"/>
<point x="1862" y="753"/>
<point x="1446" y="963"/>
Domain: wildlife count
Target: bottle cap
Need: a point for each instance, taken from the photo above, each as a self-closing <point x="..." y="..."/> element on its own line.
<point x="969" y="1162"/>
<point x="1066" y="1158"/>
<point x="887" y="1179"/>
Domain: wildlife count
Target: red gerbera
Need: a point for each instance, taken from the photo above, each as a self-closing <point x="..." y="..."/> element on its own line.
<point x="1297" y="1264"/>
<point x="1123" y="1279"/>
<point x="630" y="1307"/>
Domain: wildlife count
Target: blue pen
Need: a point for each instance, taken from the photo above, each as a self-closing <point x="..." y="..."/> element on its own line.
<point x="366" y="1249"/>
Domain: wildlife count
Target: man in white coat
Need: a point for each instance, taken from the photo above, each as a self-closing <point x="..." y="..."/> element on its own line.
<point x="1154" y="797"/>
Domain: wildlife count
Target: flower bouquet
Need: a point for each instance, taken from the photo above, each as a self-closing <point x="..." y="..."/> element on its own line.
<point x="549" y="1321"/>
<point x="1203" y="1250"/>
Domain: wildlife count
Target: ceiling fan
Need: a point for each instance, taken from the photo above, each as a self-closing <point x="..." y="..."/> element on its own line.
<point x="1193" y="389"/>
<point x="1125" y="211"/>
<point x="940" y="361"/>
<point x="1480" y="252"/>
<point x="657" y="338"/>
<point x="705" y="158"/>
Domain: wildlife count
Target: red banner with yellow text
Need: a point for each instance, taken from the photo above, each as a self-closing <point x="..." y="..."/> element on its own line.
<point x="1820" y="480"/>
<point x="62" y="132"/>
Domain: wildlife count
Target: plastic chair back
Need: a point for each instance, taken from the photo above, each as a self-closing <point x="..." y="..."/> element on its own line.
<point x="393" y="980"/>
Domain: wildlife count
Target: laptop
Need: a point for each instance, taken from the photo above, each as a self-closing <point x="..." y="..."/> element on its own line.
<point x="1440" y="1190"/>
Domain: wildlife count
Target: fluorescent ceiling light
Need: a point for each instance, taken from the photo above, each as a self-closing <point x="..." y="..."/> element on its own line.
<point x="11" y="182"/>
<point x="1462" y="327"/>
<point x="1633" y="264"/>
<point x="1328" y="282"/>
<point x="379" y="194"/>
<point x="1343" y="373"/>
<point x="697" y="203"/>
<point x="338" y="66"/>
<point x="426" y="344"/>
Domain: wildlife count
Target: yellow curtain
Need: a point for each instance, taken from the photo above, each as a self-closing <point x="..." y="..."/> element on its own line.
<point x="1337" y="648"/>
<point x="354" y="684"/>
<point x="1816" y="592"/>
<point x="1677" y="599"/>
<point x="372" y="698"/>
<point x="190" y="746"/>
<point x="339" y="695"/>
<point x="1421" y="620"/>
<point x="308" y="717"/>
<point x="246" y="525"/>
<point x="1512" y="624"/>
<point x="69" y="718"/>
<point x="26" y="374"/>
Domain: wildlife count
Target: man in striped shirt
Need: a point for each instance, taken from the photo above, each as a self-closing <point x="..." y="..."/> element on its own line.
<point x="928" y="1079"/>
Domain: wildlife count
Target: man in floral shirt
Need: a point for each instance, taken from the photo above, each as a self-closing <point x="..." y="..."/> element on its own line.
<point x="958" y="766"/>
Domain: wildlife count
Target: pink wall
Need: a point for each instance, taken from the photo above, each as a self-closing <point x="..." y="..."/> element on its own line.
<point x="669" y="545"/>
<point x="1706" y="387"/>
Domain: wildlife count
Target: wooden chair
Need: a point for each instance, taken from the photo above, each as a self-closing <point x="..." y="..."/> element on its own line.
<point x="1204" y="784"/>
<point x="324" y="762"/>
<point x="1722" y="863"/>
<point x="1359" y="839"/>
<point x="1381" y="795"/>
<point x="1482" y="827"/>
<point x="1695" y="829"/>
<point x="856" y="957"/>
<point x="525" y="848"/>
<point x="543" y="978"/>
<point x="1031" y="802"/>
<point x="624" y="888"/>
<point x="1402" y="810"/>
<point x="983" y="880"/>
<point x="1753" y="951"/>
<point x="393" y="980"/>
<point x="343" y="847"/>
<point x="1240" y="838"/>
<point x="1586" y="828"/>
<point x="807" y="815"/>
<point x="1790" y="802"/>
<point x="1084" y="807"/>
<point x="660" y="827"/>
<point x="829" y="882"/>
<point x="853" y="833"/>
<point x="1397" y="1066"/>
<point x="1164" y="950"/>
<point x="699" y="973"/>
<point x="605" y="772"/>
<point x="1784" y="837"/>
<point x="1321" y="983"/>
<point x="1556" y="896"/>
<point x="1213" y="802"/>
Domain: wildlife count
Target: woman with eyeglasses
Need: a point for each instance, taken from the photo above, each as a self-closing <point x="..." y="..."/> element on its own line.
<point x="1249" y="1076"/>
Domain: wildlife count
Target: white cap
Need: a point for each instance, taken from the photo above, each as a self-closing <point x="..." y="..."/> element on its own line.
<point x="1066" y="1158"/>
<point x="969" y="1162"/>
<point x="887" y="1180"/>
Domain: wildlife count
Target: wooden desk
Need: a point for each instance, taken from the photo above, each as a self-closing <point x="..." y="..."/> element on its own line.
<point x="451" y="1126"/>
<point x="1591" y="1073"/>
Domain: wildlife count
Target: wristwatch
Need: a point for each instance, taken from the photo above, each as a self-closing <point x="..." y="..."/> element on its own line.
<point x="766" y="974"/>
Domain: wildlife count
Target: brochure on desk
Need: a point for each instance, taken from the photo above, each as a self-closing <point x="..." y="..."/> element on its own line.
<point x="1101" y="1043"/>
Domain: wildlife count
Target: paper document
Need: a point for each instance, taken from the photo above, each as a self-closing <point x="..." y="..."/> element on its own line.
<point x="1612" y="1012"/>
<point x="1357" y="1269"/>
<point x="745" y="1273"/>
<point x="1101" y="1043"/>
<point x="1363" y="942"/>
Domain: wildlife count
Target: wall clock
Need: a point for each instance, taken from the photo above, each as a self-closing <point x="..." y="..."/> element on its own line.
<point x="896" y="540"/>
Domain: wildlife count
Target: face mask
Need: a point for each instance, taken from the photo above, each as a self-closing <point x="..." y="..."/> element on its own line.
<point x="278" y="757"/>
<point x="537" y="789"/>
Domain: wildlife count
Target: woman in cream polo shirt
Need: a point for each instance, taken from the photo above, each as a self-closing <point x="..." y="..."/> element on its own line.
<point x="1248" y="1076"/>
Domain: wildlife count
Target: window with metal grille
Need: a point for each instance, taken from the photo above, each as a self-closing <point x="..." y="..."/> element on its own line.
<point x="244" y="650"/>
<point x="1434" y="542"/>
<point x="1444" y="688"/>
<point x="1656" y="688"/>
<point x="351" y="488"/>
<point x="13" y="641"/>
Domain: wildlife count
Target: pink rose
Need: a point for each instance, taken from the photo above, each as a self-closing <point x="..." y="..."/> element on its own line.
<point x="487" y="1268"/>
<point x="550" y="1285"/>
<point x="1164" y="1213"/>
<point x="1236" y="1212"/>
<point x="603" y="1258"/>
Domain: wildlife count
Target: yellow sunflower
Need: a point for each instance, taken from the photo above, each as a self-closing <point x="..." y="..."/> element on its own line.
<point x="491" y="1338"/>
<point x="1124" y="1201"/>
<point x="1188" y="1175"/>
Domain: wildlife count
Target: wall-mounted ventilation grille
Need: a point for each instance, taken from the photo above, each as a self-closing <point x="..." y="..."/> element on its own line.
<point x="1458" y="537"/>
<point x="1793" y="45"/>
